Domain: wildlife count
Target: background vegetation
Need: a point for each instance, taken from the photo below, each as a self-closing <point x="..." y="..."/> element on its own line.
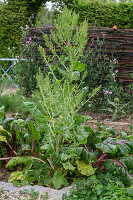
<point x="103" y="13"/>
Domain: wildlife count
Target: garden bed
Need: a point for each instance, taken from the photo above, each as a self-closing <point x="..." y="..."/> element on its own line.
<point x="122" y="123"/>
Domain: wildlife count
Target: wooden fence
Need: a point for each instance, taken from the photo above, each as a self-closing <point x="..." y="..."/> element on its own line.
<point x="121" y="39"/>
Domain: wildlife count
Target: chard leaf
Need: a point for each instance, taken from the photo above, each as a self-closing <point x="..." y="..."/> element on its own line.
<point x="59" y="180"/>
<point x="34" y="132"/>
<point x="45" y="147"/>
<point x="84" y="168"/>
<point x="128" y="162"/>
<point x="79" y="151"/>
<point x="38" y="116"/>
<point x="68" y="166"/>
<point x="16" y="176"/>
<point x="27" y="161"/>
<point x="4" y="133"/>
<point x="3" y="138"/>
<point x="111" y="145"/>
<point x="82" y="136"/>
<point x="65" y="157"/>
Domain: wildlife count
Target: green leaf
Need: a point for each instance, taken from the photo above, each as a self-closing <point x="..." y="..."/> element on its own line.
<point x="8" y="121"/>
<point x="1" y="114"/>
<point x="34" y="132"/>
<point x="82" y="136"/>
<point x="4" y="133"/>
<point x="79" y="151"/>
<point x="84" y="168"/>
<point x="68" y="166"/>
<point x="65" y="157"/>
<point x="84" y="75"/>
<point x="38" y="116"/>
<point x="76" y="76"/>
<point x="16" y="176"/>
<point x="59" y="180"/>
<point x="25" y="160"/>
<point x="3" y="138"/>
<point x="79" y="66"/>
<point x="108" y="146"/>
<point x="111" y="145"/>
<point x="112" y="103"/>
<point x="45" y="147"/>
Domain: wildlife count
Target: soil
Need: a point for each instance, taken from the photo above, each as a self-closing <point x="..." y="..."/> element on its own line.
<point x="5" y="174"/>
<point x="8" y="90"/>
<point x="122" y="123"/>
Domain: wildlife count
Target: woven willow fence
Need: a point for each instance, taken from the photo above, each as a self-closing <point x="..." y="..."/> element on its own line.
<point x="119" y="41"/>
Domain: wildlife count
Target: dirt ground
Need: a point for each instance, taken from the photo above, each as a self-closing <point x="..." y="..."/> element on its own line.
<point x="8" y="90"/>
<point x="122" y="123"/>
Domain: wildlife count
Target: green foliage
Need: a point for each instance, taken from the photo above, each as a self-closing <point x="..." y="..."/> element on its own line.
<point x="84" y="168"/>
<point x="105" y="149"/>
<point x="27" y="69"/>
<point x="16" y="176"/>
<point x="22" y="177"/>
<point x="71" y="42"/>
<point x="105" y="14"/>
<point x="60" y="103"/>
<point x="59" y="180"/>
<point x="44" y="16"/>
<point x="21" y="137"/>
<point x="116" y="108"/>
<point x="33" y="195"/>
<point x="116" y="170"/>
<point x="10" y="22"/>
<point x="112" y="145"/>
<point x="100" y="69"/>
<point x="4" y="135"/>
<point x="62" y="128"/>
<point x="38" y="116"/>
<point x="13" y="103"/>
<point x="100" y="187"/>
<point x="1" y="114"/>
<point x="53" y="147"/>
<point x="27" y="161"/>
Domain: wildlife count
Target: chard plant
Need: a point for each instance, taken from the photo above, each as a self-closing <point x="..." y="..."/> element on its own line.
<point x="111" y="152"/>
<point x="62" y="128"/>
<point x="57" y="136"/>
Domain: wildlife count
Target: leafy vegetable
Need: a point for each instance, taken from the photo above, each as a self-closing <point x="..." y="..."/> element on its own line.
<point x="59" y="179"/>
<point x="84" y="168"/>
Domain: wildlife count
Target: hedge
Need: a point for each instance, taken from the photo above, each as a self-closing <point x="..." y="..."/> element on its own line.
<point x="105" y="14"/>
<point x="12" y="17"/>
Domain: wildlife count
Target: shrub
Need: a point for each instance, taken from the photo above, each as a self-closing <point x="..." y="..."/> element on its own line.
<point x="10" y="22"/>
<point x="27" y="69"/>
<point x="104" y="14"/>
<point x="101" y="70"/>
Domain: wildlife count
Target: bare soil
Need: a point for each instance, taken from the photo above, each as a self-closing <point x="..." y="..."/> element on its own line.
<point x="8" y="90"/>
<point x="122" y="123"/>
<point x="5" y="174"/>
